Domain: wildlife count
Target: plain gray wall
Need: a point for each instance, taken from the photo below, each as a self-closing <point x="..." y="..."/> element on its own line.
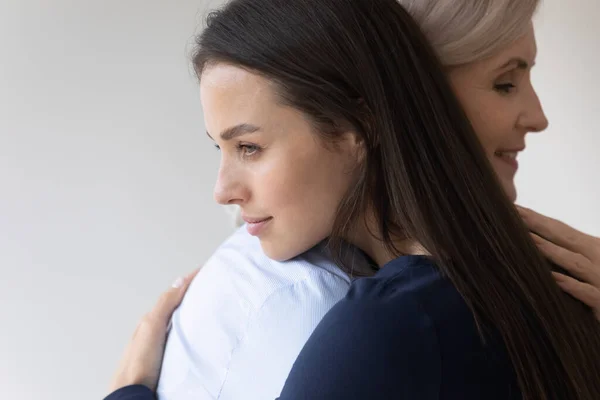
<point x="106" y="173"/>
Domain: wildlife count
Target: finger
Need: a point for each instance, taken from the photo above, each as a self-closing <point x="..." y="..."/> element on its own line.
<point x="170" y="299"/>
<point x="579" y="266"/>
<point x="557" y="232"/>
<point x="190" y="277"/>
<point x="584" y="292"/>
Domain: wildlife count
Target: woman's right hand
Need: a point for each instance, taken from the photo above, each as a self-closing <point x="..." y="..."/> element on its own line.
<point x="575" y="251"/>
<point x="142" y="359"/>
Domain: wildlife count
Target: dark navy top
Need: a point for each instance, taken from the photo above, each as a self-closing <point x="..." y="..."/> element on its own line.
<point x="404" y="333"/>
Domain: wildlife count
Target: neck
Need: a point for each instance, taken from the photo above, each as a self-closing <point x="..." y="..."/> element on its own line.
<point x="382" y="255"/>
<point x="368" y="240"/>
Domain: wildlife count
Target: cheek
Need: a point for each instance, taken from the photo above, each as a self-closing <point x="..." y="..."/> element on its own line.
<point x="492" y="125"/>
<point x="276" y="180"/>
<point x="486" y="132"/>
<point x="302" y="190"/>
<point x="487" y="111"/>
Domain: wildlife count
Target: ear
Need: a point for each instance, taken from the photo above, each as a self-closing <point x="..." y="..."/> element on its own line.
<point x="355" y="145"/>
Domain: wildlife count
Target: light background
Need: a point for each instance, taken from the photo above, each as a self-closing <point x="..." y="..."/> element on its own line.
<point x="106" y="174"/>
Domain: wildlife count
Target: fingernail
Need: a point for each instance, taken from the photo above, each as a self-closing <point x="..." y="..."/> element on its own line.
<point x="178" y="282"/>
<point x="558" y="277"/>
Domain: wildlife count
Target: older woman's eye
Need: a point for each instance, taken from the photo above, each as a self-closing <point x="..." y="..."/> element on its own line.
<point x="217" y="147"/>
<point x="504" y="87"/>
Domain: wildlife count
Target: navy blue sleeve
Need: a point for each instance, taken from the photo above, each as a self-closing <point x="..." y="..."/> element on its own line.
<point x="375" y="343"/>
<point x="133" y="392"/>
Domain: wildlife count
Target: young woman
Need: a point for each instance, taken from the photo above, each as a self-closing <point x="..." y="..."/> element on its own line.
<point x="402" y="177"/>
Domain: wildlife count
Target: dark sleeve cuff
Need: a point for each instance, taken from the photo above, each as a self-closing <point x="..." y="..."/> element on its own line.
<point x="132" y="392"/>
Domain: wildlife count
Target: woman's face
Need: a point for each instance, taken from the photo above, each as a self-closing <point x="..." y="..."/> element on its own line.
<point x="502" y="104"/>
<point x="274" y="166"/>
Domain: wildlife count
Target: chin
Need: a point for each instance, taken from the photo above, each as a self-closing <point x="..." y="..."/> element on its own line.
<point x="281" y="249"/>
<point x="275" y="252"/>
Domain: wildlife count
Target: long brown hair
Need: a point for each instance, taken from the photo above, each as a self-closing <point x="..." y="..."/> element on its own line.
<point x="366" y="64"/>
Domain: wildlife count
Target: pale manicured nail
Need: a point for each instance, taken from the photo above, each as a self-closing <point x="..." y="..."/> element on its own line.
<point x="558" y="277"/>
<point x="178" y="282"/>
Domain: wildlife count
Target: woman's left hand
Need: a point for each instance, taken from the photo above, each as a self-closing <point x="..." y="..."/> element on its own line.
<point x="143" y="356"/>
<point x="573" y="250"/>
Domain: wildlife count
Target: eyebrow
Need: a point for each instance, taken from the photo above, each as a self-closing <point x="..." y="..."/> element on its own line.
<point x="519" y="62"/>
<point x="235" y="131"/>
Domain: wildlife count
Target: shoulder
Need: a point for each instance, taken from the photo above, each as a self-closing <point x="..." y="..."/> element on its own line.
<point x="405" y="333"/>
<point x="240" y="268"/>
<point x="391" y="300"/>
<point x="238" y="297"/>
<point x="400" y="293"/>
<point x="378" y="332"/>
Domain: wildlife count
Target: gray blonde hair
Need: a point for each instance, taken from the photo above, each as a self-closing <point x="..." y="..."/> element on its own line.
<point x="465" y="31"/>
<point x="461" y="32"/>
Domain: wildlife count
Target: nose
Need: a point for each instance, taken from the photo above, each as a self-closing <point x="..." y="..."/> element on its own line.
<point x="533" y="118"/>
<point x="229" y="188"/>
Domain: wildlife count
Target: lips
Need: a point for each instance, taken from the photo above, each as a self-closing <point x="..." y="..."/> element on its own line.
<point x="509" y="158"/>
<point x="510" y="150"/>
<point x="512" y="155"/>
<point x="256" y="226"/>
<point x="250" y="220"/>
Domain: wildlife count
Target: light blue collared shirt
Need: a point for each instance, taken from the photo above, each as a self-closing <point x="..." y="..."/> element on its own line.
<point x="244" y="320"/>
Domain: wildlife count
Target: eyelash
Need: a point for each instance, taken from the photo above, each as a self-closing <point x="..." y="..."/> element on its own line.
<point x="246" y="150"/>
<point x="504" y="87"/>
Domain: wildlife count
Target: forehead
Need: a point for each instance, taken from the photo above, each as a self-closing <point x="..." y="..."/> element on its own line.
<point x="230" y="94"/>
<point x="524" y="48"/>
<point x="237" y="82"/>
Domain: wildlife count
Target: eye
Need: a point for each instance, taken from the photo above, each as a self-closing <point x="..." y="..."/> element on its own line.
<point x="248" y="150"/>
<point x="504" y="87"/>
<point x="217" y="147"/>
